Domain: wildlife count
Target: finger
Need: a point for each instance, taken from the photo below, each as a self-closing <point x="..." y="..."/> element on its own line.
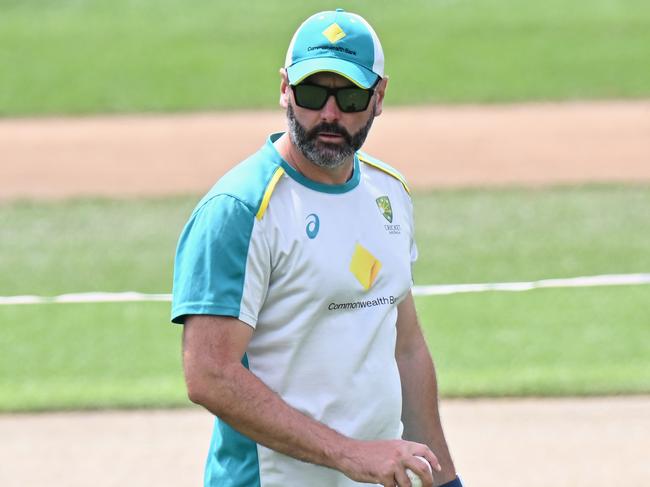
<point x="432" y="459"/>
<point x="421" y="468"/>
<point x="391" y="483"/>
<point x="401" y="479"/>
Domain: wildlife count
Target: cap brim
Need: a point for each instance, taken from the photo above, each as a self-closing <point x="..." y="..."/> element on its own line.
<point x="359" y="75"/>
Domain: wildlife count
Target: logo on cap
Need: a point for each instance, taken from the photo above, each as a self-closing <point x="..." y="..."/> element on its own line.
<point x="334" y="33"/>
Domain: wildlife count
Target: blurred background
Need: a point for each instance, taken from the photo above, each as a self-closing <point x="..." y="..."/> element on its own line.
<point x="524" y="128"/>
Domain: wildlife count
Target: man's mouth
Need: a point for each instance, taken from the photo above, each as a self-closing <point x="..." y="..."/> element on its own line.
<point x="330" y="136"/>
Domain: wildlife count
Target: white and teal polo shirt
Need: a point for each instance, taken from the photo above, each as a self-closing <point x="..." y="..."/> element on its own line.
<point x="317" y="271"/>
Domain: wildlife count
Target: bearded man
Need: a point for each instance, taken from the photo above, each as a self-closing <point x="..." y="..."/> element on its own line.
<point x="293" y="282"/>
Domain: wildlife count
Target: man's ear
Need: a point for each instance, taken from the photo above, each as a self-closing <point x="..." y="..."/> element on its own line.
<point x="380" y="91"/>
<point x="284" y="88"/>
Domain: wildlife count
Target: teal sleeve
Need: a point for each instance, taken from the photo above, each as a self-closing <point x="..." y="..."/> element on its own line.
<point x="210" y="264"/>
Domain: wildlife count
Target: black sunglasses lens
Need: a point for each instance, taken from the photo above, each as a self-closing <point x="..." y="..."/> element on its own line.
<point x="310" y="96"/>
<point x="353" y="99"/>
<point x="349" y="100"/>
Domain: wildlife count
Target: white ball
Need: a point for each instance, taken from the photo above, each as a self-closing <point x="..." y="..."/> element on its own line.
<point x="413" y="477"/>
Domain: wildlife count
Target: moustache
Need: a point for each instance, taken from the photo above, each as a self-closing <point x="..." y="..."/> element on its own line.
<point x="332" y="128"/>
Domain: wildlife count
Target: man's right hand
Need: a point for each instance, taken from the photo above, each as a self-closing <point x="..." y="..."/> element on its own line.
<point x="385" y="462"/>
<point x="216" y="379"/>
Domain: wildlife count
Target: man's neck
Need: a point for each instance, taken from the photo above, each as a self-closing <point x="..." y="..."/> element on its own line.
<point x="324" y="175"/>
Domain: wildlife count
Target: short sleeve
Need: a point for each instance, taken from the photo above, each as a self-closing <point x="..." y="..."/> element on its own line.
<point x="222" y="263"/>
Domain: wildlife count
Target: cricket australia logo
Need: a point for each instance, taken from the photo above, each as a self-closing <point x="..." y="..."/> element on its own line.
<point x="383" y="203"/>
<point x="384" y="206"/>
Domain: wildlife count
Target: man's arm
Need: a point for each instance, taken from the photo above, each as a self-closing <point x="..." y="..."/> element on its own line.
<point x="213" y="347"/>
<point x="420" y="389"/>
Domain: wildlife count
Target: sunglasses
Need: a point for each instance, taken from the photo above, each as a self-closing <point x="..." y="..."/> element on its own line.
<point x="349" y="99"/>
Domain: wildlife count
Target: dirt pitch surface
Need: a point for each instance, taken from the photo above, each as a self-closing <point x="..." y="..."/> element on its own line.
<point x="496" y="443"/>
<point x="505" y="443"/>
<point x="436" y="146"/>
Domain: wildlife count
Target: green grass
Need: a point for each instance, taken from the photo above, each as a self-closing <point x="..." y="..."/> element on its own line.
<point x="549" y="342"/>
<point x="529" y="234"/>
<point x="89" y="356"/>
<point x="463" y="236"/>
<point x="90" y="245"/>
<point x="89" y="56"/>
<point x="544" y="342"/>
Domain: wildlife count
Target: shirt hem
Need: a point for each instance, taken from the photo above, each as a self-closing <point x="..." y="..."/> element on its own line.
<point x="179" y="313"/>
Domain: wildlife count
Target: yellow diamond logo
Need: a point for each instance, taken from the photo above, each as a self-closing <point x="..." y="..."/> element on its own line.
<point x="364" y="266"/>
<point x="334" y="33"/>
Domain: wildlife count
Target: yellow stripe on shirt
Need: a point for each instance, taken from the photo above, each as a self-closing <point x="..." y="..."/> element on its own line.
<point x="269" y="191"/>
<point x="387" y="171"/>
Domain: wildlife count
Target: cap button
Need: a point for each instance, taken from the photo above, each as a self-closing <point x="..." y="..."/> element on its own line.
<point x="340" y="10"/>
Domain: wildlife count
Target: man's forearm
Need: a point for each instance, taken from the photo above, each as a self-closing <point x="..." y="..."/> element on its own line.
<point x="216" y="379"/>
<point x="420" y="413"/>
<point x="243" y="401"/>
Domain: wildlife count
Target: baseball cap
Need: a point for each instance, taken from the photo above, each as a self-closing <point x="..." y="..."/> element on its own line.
<point x="336" y="41"/>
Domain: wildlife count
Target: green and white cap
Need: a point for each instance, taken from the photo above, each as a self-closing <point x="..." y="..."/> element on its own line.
<point x="339" y="42"/>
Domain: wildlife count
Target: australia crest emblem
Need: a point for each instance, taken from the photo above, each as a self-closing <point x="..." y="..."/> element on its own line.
<point x="384" y="207"/>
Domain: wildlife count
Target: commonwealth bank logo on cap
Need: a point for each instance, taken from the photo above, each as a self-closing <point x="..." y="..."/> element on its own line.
<point x="340" y="42"/>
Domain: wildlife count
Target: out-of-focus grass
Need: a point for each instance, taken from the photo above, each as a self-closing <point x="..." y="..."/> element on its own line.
<point x="544" y="342"/>
<point x="539" y="343"/>
<point x="92" y="56"/>
<point x="90" y="245"/>
<point x="89" y="356"/>
<point x="528" y="234"/>
<point x="463" y="236"/>
<point x="550" y="342"/>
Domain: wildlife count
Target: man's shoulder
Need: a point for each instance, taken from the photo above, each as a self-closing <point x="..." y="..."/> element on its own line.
<point x="246" y="182"/>
<point x="383" y="167"/>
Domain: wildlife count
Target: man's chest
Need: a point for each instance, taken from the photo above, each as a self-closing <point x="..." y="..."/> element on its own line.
<point x="347" y="246"/>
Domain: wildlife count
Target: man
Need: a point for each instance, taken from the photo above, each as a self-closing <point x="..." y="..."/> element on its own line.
<point x="292" y="280"/>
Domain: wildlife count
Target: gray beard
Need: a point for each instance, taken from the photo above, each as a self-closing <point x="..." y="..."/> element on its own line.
<point x="323" y="154"/>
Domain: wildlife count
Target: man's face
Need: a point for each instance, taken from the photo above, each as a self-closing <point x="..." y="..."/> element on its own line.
<point x="328" y="136"/>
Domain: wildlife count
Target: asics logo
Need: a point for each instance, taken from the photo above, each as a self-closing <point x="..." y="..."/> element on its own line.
<point x="313" y="224"/>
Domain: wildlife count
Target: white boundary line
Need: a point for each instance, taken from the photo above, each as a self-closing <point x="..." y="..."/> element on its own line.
<point x="590" y="281"/>
<point x="433" y="290"/>
<point x="129" y="296"/>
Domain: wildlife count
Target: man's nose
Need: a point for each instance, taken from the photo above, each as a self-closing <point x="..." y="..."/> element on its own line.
<point x="330" y="112"/>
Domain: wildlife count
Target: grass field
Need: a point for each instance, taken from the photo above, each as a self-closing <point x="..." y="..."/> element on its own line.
<point x="90" y="56"/>
<point x="89" y="356"/>
<point x="463" y="236"/>
<point x="541" y="343"/>
<point x="545" y="342"/>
